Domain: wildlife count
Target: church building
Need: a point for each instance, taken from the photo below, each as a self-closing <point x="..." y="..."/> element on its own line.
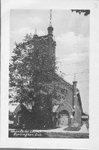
<point x="67" y="108"/>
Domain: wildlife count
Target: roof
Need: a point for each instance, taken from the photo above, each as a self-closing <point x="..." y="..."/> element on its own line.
<point x="84" y="114"/>
<point x="44" y="37"/>
<point x="65" y="83"/>
<point x="12" y="107"/>
<point x="22" y="108"/>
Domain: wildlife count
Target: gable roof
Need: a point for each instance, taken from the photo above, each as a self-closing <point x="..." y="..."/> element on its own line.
<point x="22" y="108"/>
<point x="65" y="83"/>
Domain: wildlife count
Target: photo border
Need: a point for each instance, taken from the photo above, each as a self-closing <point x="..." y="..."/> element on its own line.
<point x="92" y="142"/>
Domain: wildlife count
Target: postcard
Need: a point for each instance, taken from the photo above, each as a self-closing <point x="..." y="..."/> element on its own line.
<point x="49" y="72"/>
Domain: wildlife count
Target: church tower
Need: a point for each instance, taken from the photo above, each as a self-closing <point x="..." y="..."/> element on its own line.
<point x="77" y="107"/>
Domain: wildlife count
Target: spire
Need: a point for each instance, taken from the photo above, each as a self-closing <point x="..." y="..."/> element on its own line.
<point x="50" y="28"/>
<point x="50" y="17"/>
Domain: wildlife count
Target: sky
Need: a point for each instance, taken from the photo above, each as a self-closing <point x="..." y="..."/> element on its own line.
<point x="71" y="33"/>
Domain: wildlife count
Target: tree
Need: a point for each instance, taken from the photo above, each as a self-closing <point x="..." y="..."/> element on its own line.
<point x="31" y="72"/>
<point x="85" y="12"/>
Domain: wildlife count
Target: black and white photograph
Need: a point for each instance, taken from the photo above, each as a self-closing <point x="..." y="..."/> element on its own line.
<point x="49" y="73"/>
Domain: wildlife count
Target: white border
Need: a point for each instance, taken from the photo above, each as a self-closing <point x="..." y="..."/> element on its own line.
<point x="92" y="142"/>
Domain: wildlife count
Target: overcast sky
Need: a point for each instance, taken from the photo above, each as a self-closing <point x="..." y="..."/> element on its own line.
<point x="71" y="32"/>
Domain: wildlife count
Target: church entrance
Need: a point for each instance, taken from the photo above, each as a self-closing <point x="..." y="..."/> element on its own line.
<point x="63" y="119"/>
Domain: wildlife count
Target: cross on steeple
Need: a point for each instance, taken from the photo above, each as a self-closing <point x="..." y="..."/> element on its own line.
<point x="50" y="17"/>
<point x="50" y="28"/>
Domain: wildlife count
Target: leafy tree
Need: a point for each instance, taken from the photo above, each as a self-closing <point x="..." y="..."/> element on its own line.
<point x="31" y="75"/>
<point x="85" y="12"/>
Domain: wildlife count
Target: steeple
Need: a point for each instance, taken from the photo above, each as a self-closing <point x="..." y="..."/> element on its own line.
<point x="50" y="28"/>
<point x="50" y="17"/>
